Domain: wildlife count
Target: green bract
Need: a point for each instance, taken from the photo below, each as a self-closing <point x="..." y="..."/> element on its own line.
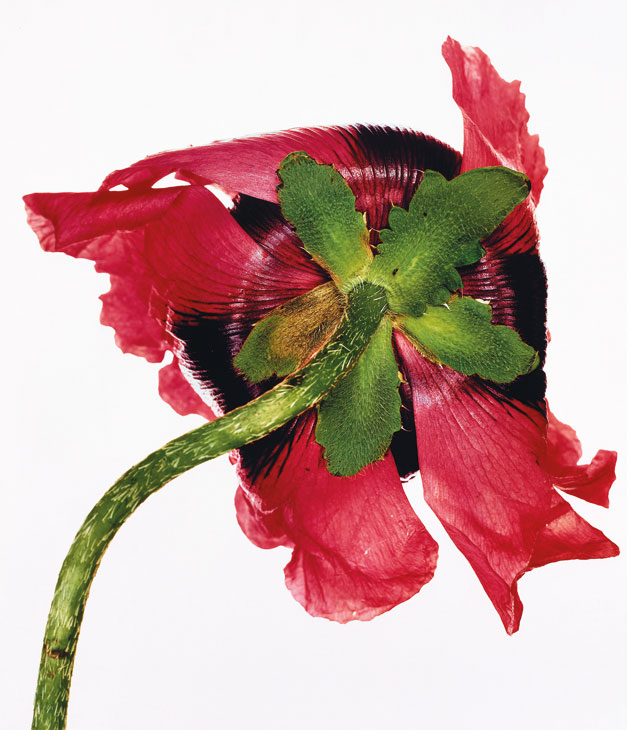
<point x="442" y="230"/>
<point x="361" y="413"/>
<point x="286" y="338"/>
<point x="316" y="200"/>
<point x="461" y="336"/>
<point x="413" y="277"/>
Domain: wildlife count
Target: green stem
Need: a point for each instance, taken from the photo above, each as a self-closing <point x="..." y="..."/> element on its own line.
<point x="297" y="393"/>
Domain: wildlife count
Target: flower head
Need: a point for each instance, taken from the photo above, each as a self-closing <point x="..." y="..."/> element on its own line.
<point x="192" y="276"/>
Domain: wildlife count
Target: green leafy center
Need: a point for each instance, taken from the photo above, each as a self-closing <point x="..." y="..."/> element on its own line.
<point x="415" y="270"/>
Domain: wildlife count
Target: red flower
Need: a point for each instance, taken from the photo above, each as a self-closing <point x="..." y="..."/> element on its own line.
<point x="191" y="276"/>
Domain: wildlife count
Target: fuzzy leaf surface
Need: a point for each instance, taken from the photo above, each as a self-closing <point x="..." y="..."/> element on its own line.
<point x="361" y="413"/>
<point x="317" y="201"/>
<point x="462" y="336"/>
<point x="289" y="335"/>
<point x="423" y="247"/>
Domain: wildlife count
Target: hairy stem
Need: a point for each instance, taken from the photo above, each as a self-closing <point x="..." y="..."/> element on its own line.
<point x="271" y="410"/>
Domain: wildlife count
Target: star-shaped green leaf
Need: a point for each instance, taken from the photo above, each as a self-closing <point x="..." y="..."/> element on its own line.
<point x="317" y="201"/>
<point x="420" y="252"/>
<point x="412" y="276"/>
<point x="462" y="336"/>
<point x="359" y="416"/>
<point x="290" y="334"/>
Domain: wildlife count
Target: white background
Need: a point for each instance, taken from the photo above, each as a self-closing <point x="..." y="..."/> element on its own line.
<point x="188" y="625"/>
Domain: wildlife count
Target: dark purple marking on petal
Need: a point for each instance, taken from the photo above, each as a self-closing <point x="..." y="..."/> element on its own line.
<point x="359" y="549"/>
<point x="388" y="166"/>
<point x="515" y="286"/>
<point x="385" y="169"/>
<point x="403" y="444"/>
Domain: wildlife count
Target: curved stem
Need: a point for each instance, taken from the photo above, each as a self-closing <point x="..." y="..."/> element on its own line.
<point x="271" y="410"/>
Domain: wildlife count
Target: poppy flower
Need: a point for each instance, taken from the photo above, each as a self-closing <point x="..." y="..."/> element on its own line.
<point x="195" y="266"/>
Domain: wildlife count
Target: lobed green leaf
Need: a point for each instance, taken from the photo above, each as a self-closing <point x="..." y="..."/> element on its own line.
<point x="290" y="334"/>
<point x="317" y="201"/>
<point x="359" y="416"/>
<point x="420" y="252"/>
<point x="461" y="335"/>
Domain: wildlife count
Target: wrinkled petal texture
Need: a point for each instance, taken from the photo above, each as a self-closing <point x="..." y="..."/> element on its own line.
<point x="479" y="464"/>
<point x="177" y="392"/>
<point x="380" y="164"/>
<point x="191" y="276"/>
<point x="184" y="274"/>
<point x="176" y="256"/>
<point x="591" y="481"/>
<point x="383" y="167"/>
<point x="197" y="276"/>
<point x="495" y="117"/>
<point x="359" y="549"/>
<point x="510" y="276"/>
<point x="487" y="466"/>
<point x="495" y="133"/>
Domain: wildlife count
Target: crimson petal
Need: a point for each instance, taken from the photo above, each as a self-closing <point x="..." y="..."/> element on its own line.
<point x="108" y="229"/>
<point x="515" y="287"/>
<point x="208" y="312"/>
<point x="495" y="116"/>
<point x="511" y="276"/>
<point x="567" y="535"/>
<point x="175" y="256"/>
<point x="383" y="168"/>
<point x="479" y="464"/>
<point x="495" y="133"/>
<point x="177" y="392"/>
<point x="359" y="549"/>
<point x="592" y="481"/>
<point x="381" y="165"/>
